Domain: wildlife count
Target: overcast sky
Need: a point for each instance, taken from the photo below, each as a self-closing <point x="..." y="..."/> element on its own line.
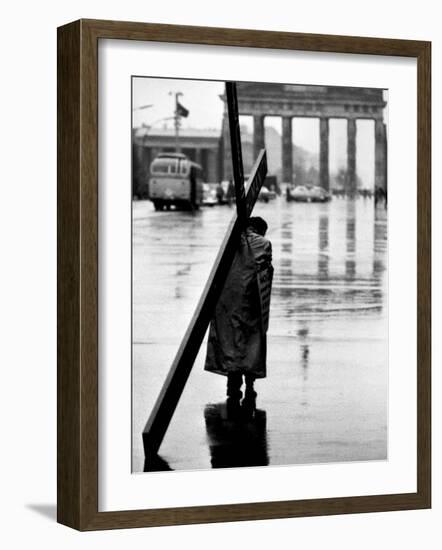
<point x="205" y="107"/>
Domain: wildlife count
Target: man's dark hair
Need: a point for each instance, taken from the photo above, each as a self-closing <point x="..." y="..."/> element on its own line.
<point x="258" y="224"/>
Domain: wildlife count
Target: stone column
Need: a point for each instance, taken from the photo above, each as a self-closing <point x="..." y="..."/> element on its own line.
<point x="227" y="170"/>
<point x="211" y="175"/>
<point x="385" y="162"/>
<point x="146" y="160"/>
<point x="287" y="150"/>
<point x="324" y="177"/>
<point x="351" y="156"/>
<point x="380" y="155"/>
<point x="199" y="156"/>
<point x="258" y="135"/>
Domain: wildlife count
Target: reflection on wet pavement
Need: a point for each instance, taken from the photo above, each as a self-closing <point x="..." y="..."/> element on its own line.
<point x="155" y="463"/>
<point x="325" y="397"/>
<point x="236" y="440"/>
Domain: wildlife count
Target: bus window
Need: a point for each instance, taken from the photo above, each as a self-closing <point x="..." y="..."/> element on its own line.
<point x="160" y="166"/>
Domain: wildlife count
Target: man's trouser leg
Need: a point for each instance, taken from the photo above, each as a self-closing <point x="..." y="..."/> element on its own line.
<point x="250" y="392"/>
<point x="234" y="383"/>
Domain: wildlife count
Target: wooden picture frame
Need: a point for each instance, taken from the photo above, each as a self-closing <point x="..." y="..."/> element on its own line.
<point x="77" y="226"/>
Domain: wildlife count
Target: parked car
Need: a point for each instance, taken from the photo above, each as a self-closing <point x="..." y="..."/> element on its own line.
<point x="209" y="194"/>
<point x="266" y="195"/>
<point x="270" y="188"/>
<point x="307" y="193"/>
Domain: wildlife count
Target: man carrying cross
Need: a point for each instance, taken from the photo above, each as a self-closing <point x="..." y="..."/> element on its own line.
<point x="237" y="337"/>
<point x="244" y="243"/>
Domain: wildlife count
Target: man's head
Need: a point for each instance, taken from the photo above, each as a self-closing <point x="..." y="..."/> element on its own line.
<point x="257" y="224"/>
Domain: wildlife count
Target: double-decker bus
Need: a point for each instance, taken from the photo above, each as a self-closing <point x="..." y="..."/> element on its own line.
<point x="175" y="180"/>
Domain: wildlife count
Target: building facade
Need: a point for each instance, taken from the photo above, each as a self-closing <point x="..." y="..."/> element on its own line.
<point x="211" y="148"/>
<point x="321" y="102"/>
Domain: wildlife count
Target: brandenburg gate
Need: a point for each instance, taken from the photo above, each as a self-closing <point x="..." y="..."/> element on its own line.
<point x="322" y="102"/>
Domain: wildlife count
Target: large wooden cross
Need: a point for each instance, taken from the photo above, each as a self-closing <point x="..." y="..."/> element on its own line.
<point x="173" y="386"/>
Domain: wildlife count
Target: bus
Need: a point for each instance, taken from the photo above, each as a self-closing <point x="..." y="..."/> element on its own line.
<point x="175" y="181"/>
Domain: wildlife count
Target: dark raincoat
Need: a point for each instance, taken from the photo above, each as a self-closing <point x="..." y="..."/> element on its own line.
<point x="237" y="334"/>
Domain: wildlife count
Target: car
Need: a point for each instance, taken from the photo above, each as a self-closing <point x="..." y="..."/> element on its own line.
<point x="307" y="193"/>
<point x="266" y="195"/>
<point x="209" y="194"/>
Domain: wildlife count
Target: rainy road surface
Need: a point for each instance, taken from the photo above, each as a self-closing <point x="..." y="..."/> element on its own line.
<point x="325" y="395"/>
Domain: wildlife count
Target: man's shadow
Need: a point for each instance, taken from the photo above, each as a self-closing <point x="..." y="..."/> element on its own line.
<point x="236" y="440"/>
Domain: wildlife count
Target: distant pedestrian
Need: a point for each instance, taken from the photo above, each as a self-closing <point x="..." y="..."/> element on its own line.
<point x="237" y="344"/>
<point x="230" y="194"/>
<point x="219" y="193"/>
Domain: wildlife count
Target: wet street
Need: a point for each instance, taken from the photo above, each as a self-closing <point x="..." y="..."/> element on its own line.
<point x="325" y="395"/>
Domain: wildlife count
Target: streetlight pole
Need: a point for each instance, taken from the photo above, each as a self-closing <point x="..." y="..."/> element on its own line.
<point x="177" y="121"/>
<point x="140" y="108"/>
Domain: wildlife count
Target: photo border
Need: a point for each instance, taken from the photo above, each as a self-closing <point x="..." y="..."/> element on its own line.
<point x="77" y="314"/>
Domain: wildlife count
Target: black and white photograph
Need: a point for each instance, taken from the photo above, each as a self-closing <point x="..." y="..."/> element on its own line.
<point x="220" y="281"/>
<point x="292" y="364"/>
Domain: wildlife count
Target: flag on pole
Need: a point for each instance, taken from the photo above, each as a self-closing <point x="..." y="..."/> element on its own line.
<point x="181" y="110"/>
